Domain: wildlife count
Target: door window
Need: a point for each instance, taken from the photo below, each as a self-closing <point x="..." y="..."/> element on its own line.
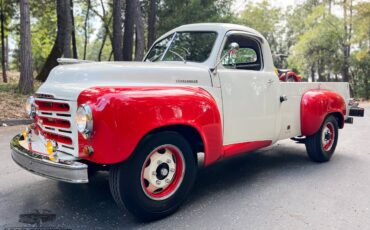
<point x="248" y="56"/>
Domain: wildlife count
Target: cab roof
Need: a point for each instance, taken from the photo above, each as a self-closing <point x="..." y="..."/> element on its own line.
<point x="220" y="28"/>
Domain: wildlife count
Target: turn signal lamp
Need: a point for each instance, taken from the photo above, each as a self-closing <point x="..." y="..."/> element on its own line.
<point x="50" y="150"/>
<point x="24" y="134"/>
<point x="87" y="151"/>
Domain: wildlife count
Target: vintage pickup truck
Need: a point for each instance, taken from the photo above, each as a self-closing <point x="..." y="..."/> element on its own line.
<point x="204" y="92"/>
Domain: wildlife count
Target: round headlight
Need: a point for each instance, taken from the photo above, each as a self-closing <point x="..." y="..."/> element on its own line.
<point x="31" y="107"/>
<point x="84" y="120"/>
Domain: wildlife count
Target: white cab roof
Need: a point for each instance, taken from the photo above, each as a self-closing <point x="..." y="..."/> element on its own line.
<point x="220" y="28"/>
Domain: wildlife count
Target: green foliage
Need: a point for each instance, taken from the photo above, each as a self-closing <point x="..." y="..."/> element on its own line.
<point x="308" y="33"/>
<point x="319" y="45"/>
<point x="360" y="58"/>
<point x="173" y="13"/>
<point x="10" y="12"/>
<point x="43" y="31"/>
<point x="80" y="9"/>
<point x="264" y="18"/>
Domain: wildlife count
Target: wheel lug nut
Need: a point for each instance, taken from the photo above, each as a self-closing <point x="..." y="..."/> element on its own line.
<point x="168" y="161"/>
<point x="159" y="162"/>
<point x="154" y="173"/>
<point x="172" y="170"/>
<point x="158" y="182"/>
<point x="167" y="181"/>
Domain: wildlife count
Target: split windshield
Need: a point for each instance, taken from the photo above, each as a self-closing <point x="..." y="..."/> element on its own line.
<point x="183" y="46"/>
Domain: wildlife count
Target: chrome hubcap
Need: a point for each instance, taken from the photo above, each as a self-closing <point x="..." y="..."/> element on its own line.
<point x="162" y="172"/>
<point x="327" y="136"/>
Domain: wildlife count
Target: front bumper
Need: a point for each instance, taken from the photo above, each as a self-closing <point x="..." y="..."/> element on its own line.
<point x="66" y="170"/>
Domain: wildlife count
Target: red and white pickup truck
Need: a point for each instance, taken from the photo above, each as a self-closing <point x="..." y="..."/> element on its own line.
<point x="204" y="92"/>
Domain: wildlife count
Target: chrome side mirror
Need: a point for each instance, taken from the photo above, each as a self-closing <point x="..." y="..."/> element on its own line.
<point x="233" y="48"/>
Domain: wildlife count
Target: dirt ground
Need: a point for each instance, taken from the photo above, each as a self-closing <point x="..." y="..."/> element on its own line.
<point x="11" y="101"/>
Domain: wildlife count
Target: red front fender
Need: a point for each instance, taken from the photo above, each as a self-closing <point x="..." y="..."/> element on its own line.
<point x="316" y="105"/>
<point x="124" y="115"/>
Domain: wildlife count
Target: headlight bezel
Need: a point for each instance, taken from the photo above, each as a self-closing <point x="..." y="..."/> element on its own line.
<point x="30" y="107"/>
<point x="85" y="129"/>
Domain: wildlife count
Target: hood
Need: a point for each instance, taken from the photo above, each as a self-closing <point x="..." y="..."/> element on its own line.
<point x="68" y="81"/>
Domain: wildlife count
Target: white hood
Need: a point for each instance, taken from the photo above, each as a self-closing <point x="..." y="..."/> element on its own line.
<point x="68" y="81"/>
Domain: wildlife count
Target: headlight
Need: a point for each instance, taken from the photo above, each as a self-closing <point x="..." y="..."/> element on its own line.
<point x="84" y="120"/>
<point x="31" y="107"/>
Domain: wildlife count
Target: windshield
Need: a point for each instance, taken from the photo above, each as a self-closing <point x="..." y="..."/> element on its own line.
<point x="183" y="46"/>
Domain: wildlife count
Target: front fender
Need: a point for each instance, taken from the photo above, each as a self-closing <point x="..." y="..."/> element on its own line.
<point x="124" y="115"/>
<point x="316" y="105"/>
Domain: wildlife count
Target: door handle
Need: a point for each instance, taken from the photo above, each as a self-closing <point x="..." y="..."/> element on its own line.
<point x="283" y="98"/>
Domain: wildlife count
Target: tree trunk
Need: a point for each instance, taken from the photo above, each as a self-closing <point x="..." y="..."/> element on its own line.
<point x="3" y="60"/>
<point x="152" y="16"/>
<point x="117" y="30"/>
<point x="68" y="30"/>
<point x="320" y="70"/>
<point x="26" y="79"/>
<point x="7" y="52"/>
<point x="367" y="88"/>
<point x="74" y="45"/>
<point x="346" y="46"/>
<point x="57" y="50"/>
<point x="128" y="36"/>
<point x="86" y="27"/>
<point x="110" y="56"/>
<point x="140" y="40"/>
<point x="102" y="46"/>
<point x="106" y="24"/>
<point x="312" y="70"/>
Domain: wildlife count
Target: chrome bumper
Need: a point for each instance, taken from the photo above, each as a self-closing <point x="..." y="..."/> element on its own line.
<point x="67" y="171"/>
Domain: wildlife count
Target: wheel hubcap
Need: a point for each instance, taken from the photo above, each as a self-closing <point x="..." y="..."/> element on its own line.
<point x="327" y="137"/>
<point x="162" y="172"/>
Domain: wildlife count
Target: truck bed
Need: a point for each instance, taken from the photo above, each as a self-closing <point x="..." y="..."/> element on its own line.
<point x="290" y="114"/>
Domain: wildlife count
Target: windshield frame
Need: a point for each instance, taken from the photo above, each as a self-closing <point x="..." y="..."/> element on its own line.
<point x="171" y="41"/>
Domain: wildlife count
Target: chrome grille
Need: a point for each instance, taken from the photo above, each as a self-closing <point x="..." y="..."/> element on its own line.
<point x="55" y="121"/>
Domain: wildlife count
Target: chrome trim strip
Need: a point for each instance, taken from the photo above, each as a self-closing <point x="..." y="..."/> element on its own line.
<point x="68" y="171"/>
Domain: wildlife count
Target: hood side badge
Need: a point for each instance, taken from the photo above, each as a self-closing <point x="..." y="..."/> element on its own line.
<point x="187" y="81"/>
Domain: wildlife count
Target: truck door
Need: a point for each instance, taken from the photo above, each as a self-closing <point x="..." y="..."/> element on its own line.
<point x="249" y="92"/>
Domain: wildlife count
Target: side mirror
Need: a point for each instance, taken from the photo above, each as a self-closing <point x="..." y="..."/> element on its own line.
<point x="233" y="48"/>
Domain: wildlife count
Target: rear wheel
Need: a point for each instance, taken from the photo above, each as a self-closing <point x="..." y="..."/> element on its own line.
<point x="321" y="146"/>
<point x="157" y="179"/>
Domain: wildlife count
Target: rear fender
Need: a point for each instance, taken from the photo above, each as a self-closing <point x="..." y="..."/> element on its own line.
<point x="316" y="105"/>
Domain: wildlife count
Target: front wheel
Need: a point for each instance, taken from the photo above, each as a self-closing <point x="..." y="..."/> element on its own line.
<point x="157" y="179"/>
<point x="321" y="146"/>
